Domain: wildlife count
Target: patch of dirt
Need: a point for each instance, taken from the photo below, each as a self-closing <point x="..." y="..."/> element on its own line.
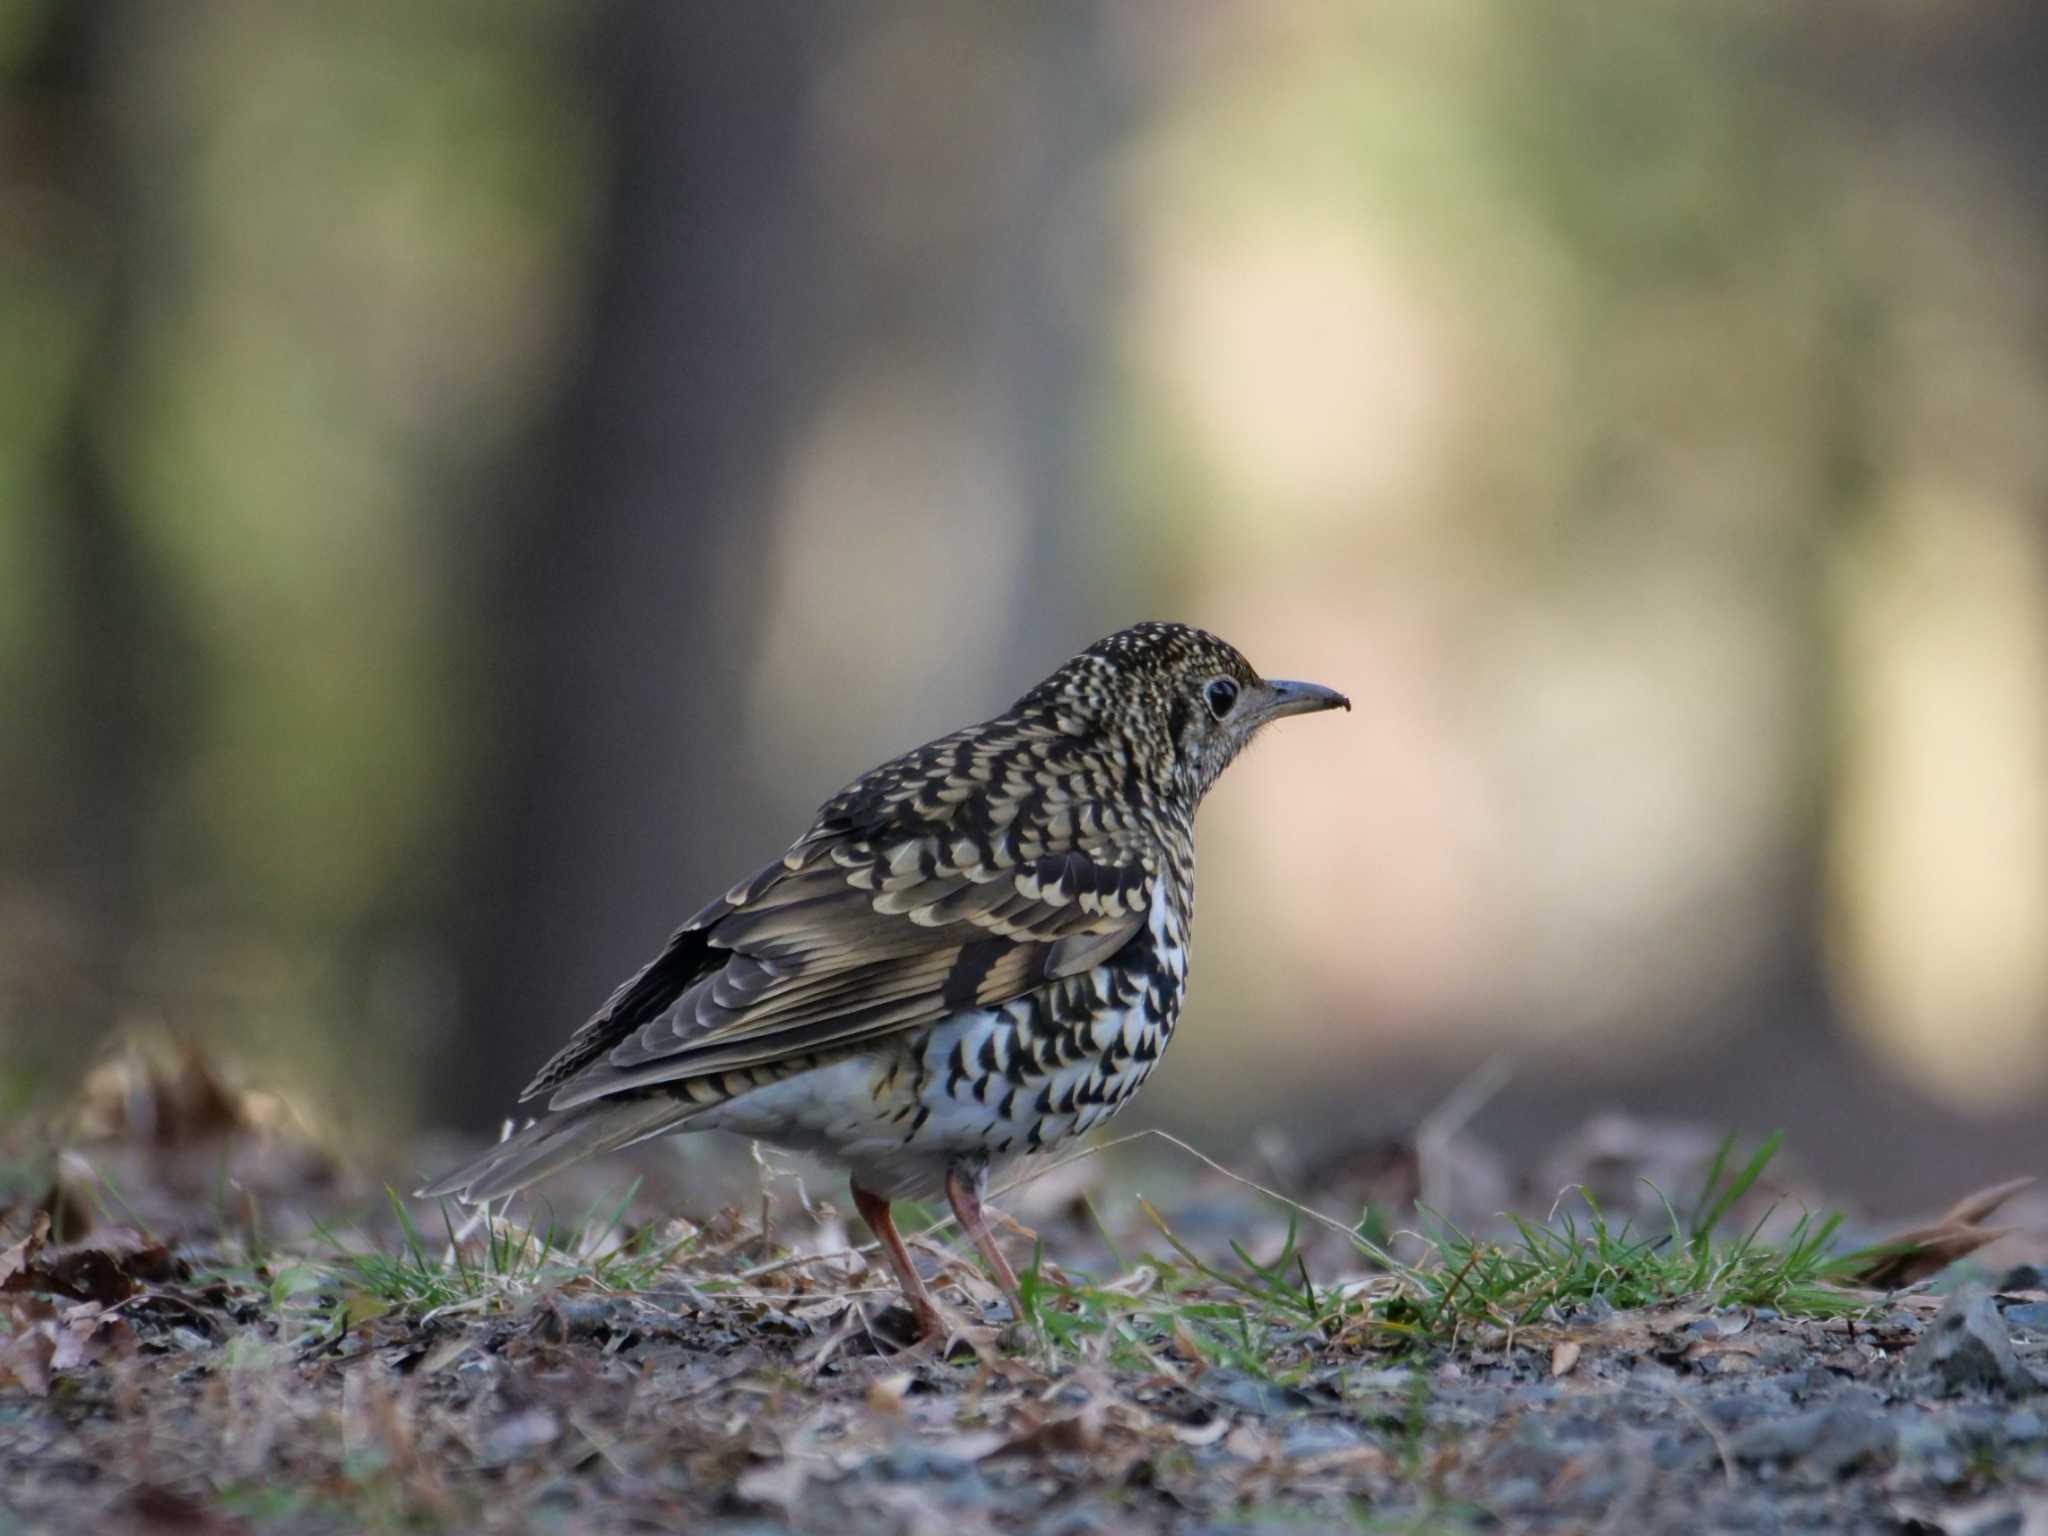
<point x="168" y="1411"/>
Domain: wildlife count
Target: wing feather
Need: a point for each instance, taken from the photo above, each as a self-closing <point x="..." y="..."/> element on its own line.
<point x="950" y="879"/>
<point x="861" y="932"/>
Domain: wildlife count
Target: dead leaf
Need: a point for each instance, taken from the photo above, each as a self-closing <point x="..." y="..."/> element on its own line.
<point x="25" y="1358"/>
<point x="1248" y="1442"/>
<point x="1074" y="1432"/>
<point x="44" y="1344"/>
<point x="1922" y="1252"/>
<point x="111" y="1266"/>
<point x="1079" y="1430"/>
<point x="1564" y="1354"/>
<point x="445" y="1354"/>
<point x="16" y="1260"/>
<point x="73" y="1348"/>
<point x="157" y="1089"/>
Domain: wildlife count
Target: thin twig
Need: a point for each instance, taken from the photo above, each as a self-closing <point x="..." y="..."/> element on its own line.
<point x="1433" y="1136"/>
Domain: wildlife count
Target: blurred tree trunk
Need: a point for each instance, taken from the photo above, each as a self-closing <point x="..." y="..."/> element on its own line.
<point x="751" y="272"/>
<point x="113" y="658"/>
<point x="632" y="595"/>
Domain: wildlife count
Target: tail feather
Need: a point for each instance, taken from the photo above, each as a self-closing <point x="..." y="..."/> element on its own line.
<point x="555" y="1141"/>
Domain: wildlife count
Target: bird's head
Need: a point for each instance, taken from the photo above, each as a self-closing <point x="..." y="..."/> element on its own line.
<point x="1183" y="702"/>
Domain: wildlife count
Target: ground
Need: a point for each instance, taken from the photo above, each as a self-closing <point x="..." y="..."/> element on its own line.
<point x="208" y="1326"/>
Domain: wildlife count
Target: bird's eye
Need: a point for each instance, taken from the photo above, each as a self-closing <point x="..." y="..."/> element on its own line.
<point x="1221" y="694"/>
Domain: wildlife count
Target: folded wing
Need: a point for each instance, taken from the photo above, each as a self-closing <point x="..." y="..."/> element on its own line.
<point x="890" y="914"/>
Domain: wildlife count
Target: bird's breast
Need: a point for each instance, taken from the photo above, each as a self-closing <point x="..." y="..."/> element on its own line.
<point x="1060" y="1060"/>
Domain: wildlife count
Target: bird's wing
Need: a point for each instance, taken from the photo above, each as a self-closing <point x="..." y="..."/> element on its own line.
<point x="911" y="898"/>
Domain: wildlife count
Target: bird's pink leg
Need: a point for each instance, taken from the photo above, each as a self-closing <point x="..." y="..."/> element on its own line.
<point x="875" y="1212"/>
<point x="964" y="1195"/>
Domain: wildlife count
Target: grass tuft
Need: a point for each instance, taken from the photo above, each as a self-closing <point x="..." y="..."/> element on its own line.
<point x="1272" y="1319"/>
<point x="488" y="1265"/>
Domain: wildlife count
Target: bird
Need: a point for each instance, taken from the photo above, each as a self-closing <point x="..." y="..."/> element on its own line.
<point x="977" y="951"/>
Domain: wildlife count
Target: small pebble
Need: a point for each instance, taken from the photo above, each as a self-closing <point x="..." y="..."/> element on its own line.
<point x="1966" y="1347"/>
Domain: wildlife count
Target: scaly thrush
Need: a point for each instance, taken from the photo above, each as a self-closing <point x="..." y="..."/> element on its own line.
<point x="977" y="950"/>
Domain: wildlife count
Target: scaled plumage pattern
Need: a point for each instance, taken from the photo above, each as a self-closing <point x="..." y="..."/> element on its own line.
<point x="978" y="949"/>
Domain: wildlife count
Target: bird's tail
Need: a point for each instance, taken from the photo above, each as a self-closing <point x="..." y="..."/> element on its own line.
<point x="555" y="1141"/>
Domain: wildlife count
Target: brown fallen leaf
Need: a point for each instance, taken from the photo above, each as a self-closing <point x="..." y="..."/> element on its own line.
<point x="1080" y="1431"/>
<point x="40" y="1343"/>
<point x="17" y="1259"/>
<point x="1920" y="1252"/>
<point x="113" y="1265"/>
<point x="78" y="1341"/>
<point x="25" y="1353"/>
<point x="153" y="1087"/>
<point x="159" y="1110"/>
<point x="1564" y="1354"/>
<point x="1071" y="1425"/>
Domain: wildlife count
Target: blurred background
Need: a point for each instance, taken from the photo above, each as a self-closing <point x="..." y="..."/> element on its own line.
<point x="473" y="476"/>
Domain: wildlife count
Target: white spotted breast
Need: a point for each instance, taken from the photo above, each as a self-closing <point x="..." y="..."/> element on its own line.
<point x="1062" y="1059"/>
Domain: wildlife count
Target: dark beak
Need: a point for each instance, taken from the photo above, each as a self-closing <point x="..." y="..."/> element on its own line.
<point x="1299" y="699"/>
